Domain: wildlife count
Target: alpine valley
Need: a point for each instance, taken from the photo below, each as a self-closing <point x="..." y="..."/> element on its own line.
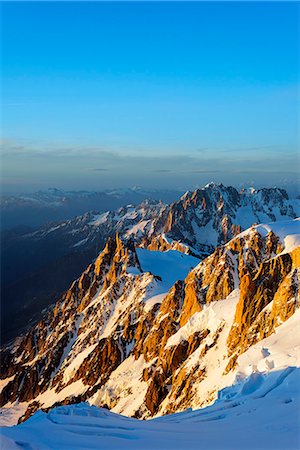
<point x="188" y="317"/>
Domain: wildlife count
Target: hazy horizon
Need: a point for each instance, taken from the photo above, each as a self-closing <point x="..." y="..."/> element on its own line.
<point x="292" y="190"/>
<point x="163" y="95"/>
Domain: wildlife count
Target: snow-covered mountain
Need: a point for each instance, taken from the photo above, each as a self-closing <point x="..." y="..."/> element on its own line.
<point x="38" y="208"/>
<point x="147" y="333"/>
<point x="54" y="197"/>
<point x="54" y="255"/>
<point x="260" y="411"/>
<point x="201" y="219"/>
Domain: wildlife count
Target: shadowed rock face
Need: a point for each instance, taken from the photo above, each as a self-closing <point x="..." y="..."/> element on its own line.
<point x="53" y="256"/>
<point x="103" y="321"/>
<point x="46" y="343"/>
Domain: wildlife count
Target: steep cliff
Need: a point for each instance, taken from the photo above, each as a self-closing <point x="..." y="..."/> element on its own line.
<point x="147" y="333"/>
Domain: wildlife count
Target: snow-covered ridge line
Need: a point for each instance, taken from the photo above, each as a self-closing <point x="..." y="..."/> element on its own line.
<point x="288" y="232"/>
<point x="260" y="410"/>
<point x="154" y="336"/>
<point x="195" y="224"/>
<point x="206" y="210"/>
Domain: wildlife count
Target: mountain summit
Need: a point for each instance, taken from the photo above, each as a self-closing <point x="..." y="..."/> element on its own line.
<point x="54" y="255"/>
<point x="147" y="333"/>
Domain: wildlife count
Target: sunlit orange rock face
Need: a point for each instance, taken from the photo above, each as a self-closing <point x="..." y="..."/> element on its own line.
<point x="105" y="311"/>
<point x="268" y="291"/>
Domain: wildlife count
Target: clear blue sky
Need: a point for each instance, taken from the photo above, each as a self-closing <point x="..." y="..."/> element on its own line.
<point x="101" y="94"/>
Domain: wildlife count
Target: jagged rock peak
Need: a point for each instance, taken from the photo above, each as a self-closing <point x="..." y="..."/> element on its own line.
<point x="196" y="223"/>
<point x="116" y="340"/>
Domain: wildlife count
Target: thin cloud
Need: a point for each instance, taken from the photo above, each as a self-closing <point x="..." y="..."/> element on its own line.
<point x="205" y="171"/>
<point x="203" y="150"/>
<point x="255" y="148"/>
<point x="98" y="169"/>
<point x="59" y="164"/>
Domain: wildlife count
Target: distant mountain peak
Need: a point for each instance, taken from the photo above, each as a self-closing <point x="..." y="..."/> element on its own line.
<point x="194" y="224"/>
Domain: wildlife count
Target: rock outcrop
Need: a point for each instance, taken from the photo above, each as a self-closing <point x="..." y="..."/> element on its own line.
<point x="117" y="339"/>
<point x="195" y="224"/>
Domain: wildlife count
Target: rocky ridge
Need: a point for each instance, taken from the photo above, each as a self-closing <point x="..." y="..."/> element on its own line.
<point x="53" y="256"/>
<point x="198" y="222"/>
<point x="118" y="338"/>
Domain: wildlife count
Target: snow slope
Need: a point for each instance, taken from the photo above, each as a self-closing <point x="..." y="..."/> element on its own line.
<point x="167" y="268"/>
<point x="170" y="266"/>
<point x="288" y="232"/>
<point x="260" y="410"/>
<point x="251" y="421"/>
<point x="262" y="381"/>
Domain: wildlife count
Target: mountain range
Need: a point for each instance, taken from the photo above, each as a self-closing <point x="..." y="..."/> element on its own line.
<point x="181" y="308"/>
<point x="31" y="210"/>
<point x="51" y="257"/>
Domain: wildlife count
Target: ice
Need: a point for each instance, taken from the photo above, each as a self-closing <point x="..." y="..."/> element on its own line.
<point x="77" y="361"/>
<point x="257" y="404"/>
<point x="99" y="219"/>
<point x="139" y="228"/>
<point x="170" y="266"/>
<point x="247" y="421"/>
<point x="288" y="232"/>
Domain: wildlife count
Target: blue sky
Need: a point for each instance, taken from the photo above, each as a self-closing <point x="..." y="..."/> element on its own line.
<point x="99" y="95"/>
